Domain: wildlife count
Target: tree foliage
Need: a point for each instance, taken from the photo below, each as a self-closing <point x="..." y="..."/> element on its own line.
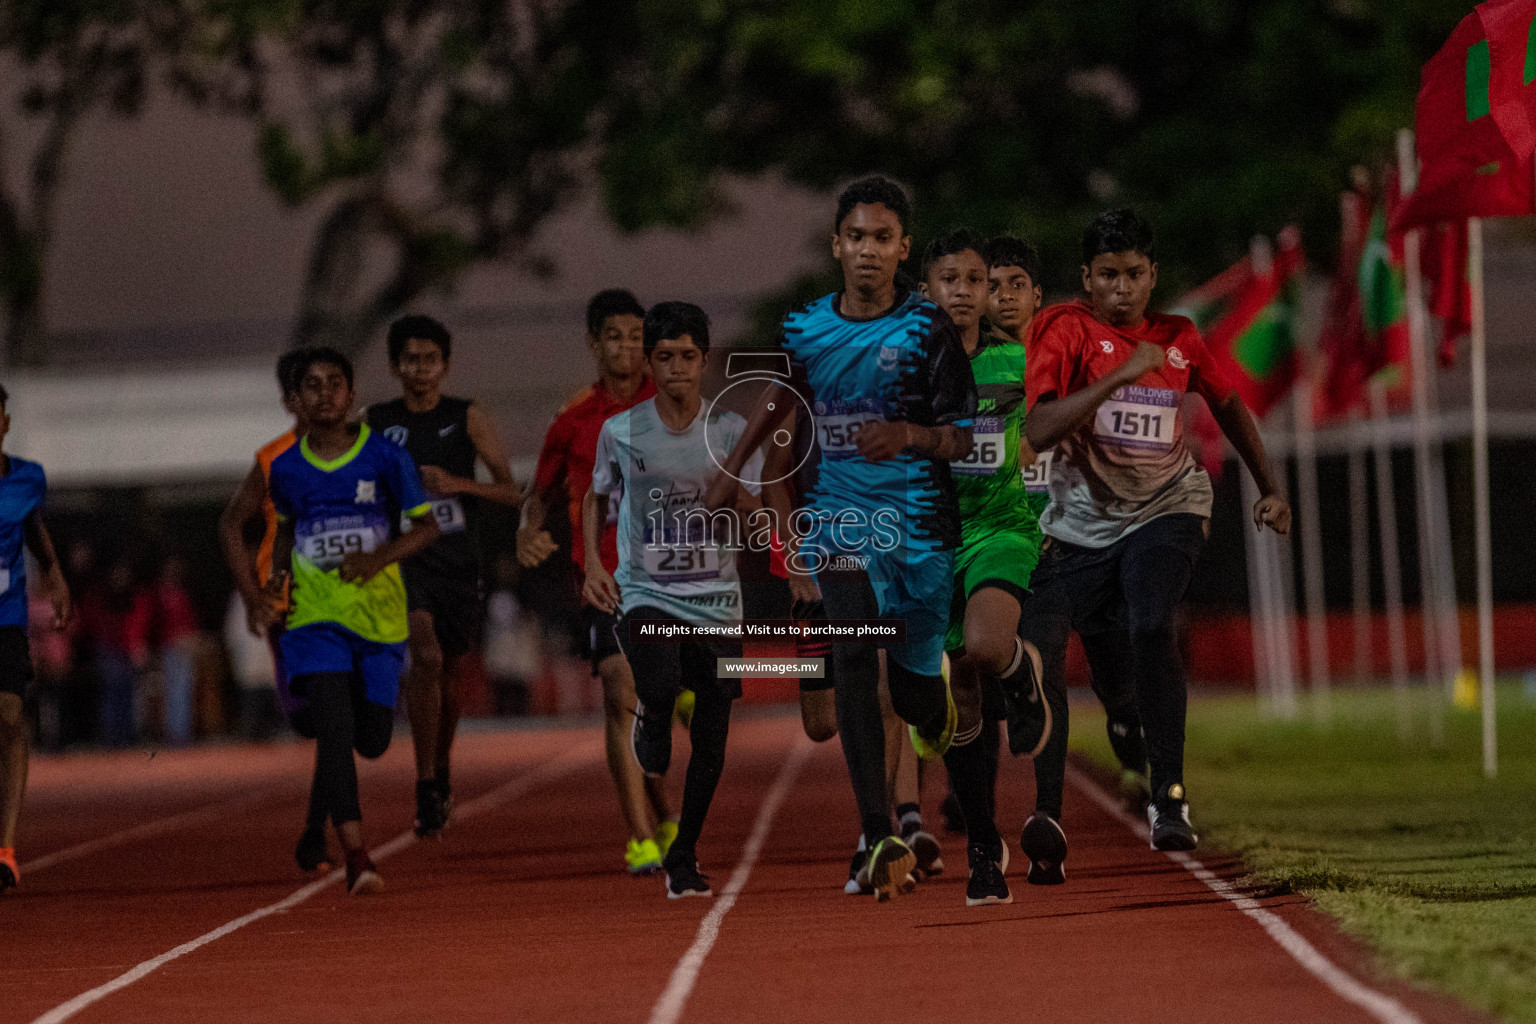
<point x="433" y="134"/>
<point x="1216" y="118"/>
<point x="71" y="58"/>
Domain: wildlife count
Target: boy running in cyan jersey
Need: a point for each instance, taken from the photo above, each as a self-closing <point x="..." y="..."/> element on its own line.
<point x="1013" y="268"/>
<point x="22" y="490"/>
<point x="676" y="564"/>
<point x="1130" y="506"/>
<point x="251" y="568"/>
<point x="445" y="437"/>
<point x="1000" y="535"/>
<point x="892" y="395"/>
<point x="615" y="325"/>
<point x="342" y="494"/>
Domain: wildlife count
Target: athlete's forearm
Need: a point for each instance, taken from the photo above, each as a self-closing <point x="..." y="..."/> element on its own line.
<point x="1237" y="423"/>
<point x="502" y="489"/>
<point x="594" y="512"/>
<point x="535" y="509"/>
<point x="499" y="492"/>
<point x="242" y="508"/>
<point x="424" y="530"/>
<point x="767" y="415"/>
<point x="949" y="443"/>
<point x="1050" y="421"/>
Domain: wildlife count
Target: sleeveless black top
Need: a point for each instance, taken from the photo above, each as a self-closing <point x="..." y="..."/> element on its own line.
<point x="438" y="437"/>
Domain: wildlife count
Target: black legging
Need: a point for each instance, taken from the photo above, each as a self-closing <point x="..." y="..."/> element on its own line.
<point x="916" y="698"/>
<point x="341" y="719"/>
<point x="663" y="669"/>
<point x="1149" y="571"/>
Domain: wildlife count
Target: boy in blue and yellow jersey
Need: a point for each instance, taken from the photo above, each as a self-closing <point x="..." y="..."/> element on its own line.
<point x="891" y="397"/>
<point x="22" y="489"/>
<point x="341" y="494"/>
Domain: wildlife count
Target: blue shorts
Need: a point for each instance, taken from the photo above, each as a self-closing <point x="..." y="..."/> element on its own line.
<point x="913" y="586"/>
<point x="327" y="647"/>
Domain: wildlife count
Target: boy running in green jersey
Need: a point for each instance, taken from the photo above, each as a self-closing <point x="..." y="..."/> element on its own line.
<point x="1000" y="534"/>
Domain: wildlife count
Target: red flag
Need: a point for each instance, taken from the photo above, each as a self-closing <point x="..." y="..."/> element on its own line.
<point x="1255" y="341"/>
<point x="1473" y="165"/>
<point x="1449" y="293"/>
<point x="1511" y="28"/>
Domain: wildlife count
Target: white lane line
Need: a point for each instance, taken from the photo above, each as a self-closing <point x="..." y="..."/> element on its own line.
<point x="562" y="765"/>
<point x="1343" y="984"/>
<point x="145" y="831"/>
<point x="670" y="1006"/>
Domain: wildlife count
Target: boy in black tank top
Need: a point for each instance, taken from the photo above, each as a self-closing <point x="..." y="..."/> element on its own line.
<point x="445" y="437"/>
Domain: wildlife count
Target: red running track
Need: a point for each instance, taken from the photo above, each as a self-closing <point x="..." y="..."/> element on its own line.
<point x="520" y="914"/>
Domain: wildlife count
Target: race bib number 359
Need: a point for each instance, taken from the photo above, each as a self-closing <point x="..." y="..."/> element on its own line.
<point x="988" y="450"/>
<point x="1138" y="417"/>
<point x="327" y="548"/>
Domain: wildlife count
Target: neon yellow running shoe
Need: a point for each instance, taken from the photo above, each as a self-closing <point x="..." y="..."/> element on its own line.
<point x="890" y="867"/>
<point x="665" y="833"/>
<point x="682" y="710"/>
<point x="936" y="747"/>
<point x="642" y="857"/>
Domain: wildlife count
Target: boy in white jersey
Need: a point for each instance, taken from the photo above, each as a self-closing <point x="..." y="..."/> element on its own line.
<point x="672" y="565"/>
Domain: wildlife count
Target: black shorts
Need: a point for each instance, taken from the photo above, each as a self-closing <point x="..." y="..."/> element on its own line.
<point x="15" y="660"/>
<point x="599" y="642"/>
<point x="662" y="667"/>
<point x="456" y="603"/>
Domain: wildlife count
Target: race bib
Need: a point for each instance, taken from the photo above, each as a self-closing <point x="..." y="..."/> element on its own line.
<point x="676" y="559"/>
<point x="988" y="450"/>
<point x="1138" y="417"/>
<point x="1037" y="475"/>
<point x="326" y="548"/>
<point x="449" y="514"/>
<point x="838" y="433"/>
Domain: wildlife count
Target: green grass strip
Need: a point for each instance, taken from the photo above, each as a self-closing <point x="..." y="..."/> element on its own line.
<point x="1411" y="849"/>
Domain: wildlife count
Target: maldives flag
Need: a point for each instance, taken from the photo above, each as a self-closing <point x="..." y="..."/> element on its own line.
<point x="1365" y="329"/>
<point x="1473" y="163"/>
<point x="1255" y="338"/>
<point x="1443" y="256"/>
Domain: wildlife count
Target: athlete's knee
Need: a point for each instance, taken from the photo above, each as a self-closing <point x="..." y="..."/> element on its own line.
<point x="426" y="655"/>
<point x="990" y="650"/>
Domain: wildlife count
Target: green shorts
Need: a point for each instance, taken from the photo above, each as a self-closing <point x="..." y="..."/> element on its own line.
<point x="1005" y="556"/>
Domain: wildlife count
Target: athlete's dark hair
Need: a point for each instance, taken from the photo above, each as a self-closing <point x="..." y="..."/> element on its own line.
<point x="957" y="240"/>
<point x="611" y="302"/>
<point x="304" y="358"/>
<point x="423" y="327"/>
<point x="668" y="320"/>
<point x="5" y="396"/>
<point x="876" y="188"/>
<point x="1120" y="230"/>
<point x="287" y="378"/>
<point x="1008" y="251"/>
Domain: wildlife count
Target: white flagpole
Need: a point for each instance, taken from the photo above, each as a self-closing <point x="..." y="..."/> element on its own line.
<point x="1435" y="663"/>
<point x="1479" y="358"/>
<point x="1391" y="563"/>
<point x="1311" y="539"/>
<point x="1360" y="552"/>
<point x="1448" y="612"/>
<point x="1258" y="601"/>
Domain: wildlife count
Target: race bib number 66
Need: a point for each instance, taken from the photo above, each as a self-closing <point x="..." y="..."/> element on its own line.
<point x="988" y="450"/>
<point x="1138" y="417"/>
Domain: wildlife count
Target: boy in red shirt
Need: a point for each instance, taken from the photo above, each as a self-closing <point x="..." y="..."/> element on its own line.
<point x="1130" y="506"/>
<point x="615" y="320"/>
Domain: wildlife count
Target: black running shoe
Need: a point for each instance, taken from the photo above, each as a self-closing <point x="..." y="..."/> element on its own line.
<point x="445" y="793"/>
<point x="1029" y="714"/>
<point x="890" y="868"/>
<point x="1130" y="747"/>
<point x="311" y="853"/>
<point x="362" y="876"/>
<point x="1168" y="815"/>
<point x="8" y="879"/>
<point x="987" y="884"/>
<point x="930" y="857"/>
<point x="683" y="876"/>
<point x="1045" y="844"/>
<point x="431" y="815"/>
<point x="858" y="874"/>
<point x="651" y="739"/>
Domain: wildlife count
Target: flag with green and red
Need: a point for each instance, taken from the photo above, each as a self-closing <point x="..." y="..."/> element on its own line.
<point x="1475" y="120"/>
